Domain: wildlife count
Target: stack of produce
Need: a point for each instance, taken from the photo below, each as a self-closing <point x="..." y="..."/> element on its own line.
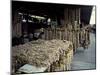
<point x="41" y="53"/>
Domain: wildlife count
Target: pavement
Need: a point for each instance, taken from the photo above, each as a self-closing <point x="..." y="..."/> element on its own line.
<point x="85" y="59"/>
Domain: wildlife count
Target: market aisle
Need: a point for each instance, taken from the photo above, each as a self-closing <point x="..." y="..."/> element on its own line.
<point x="85" y="59"/>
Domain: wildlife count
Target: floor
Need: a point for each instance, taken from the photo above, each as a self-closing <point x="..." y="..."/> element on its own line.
<point x="85" y="58"/>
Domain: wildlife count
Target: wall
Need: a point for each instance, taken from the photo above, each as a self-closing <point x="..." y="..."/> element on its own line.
<point x="16" y="26"/>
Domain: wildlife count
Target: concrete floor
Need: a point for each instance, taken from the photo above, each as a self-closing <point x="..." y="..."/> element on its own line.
<point x="85" y="58"/>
